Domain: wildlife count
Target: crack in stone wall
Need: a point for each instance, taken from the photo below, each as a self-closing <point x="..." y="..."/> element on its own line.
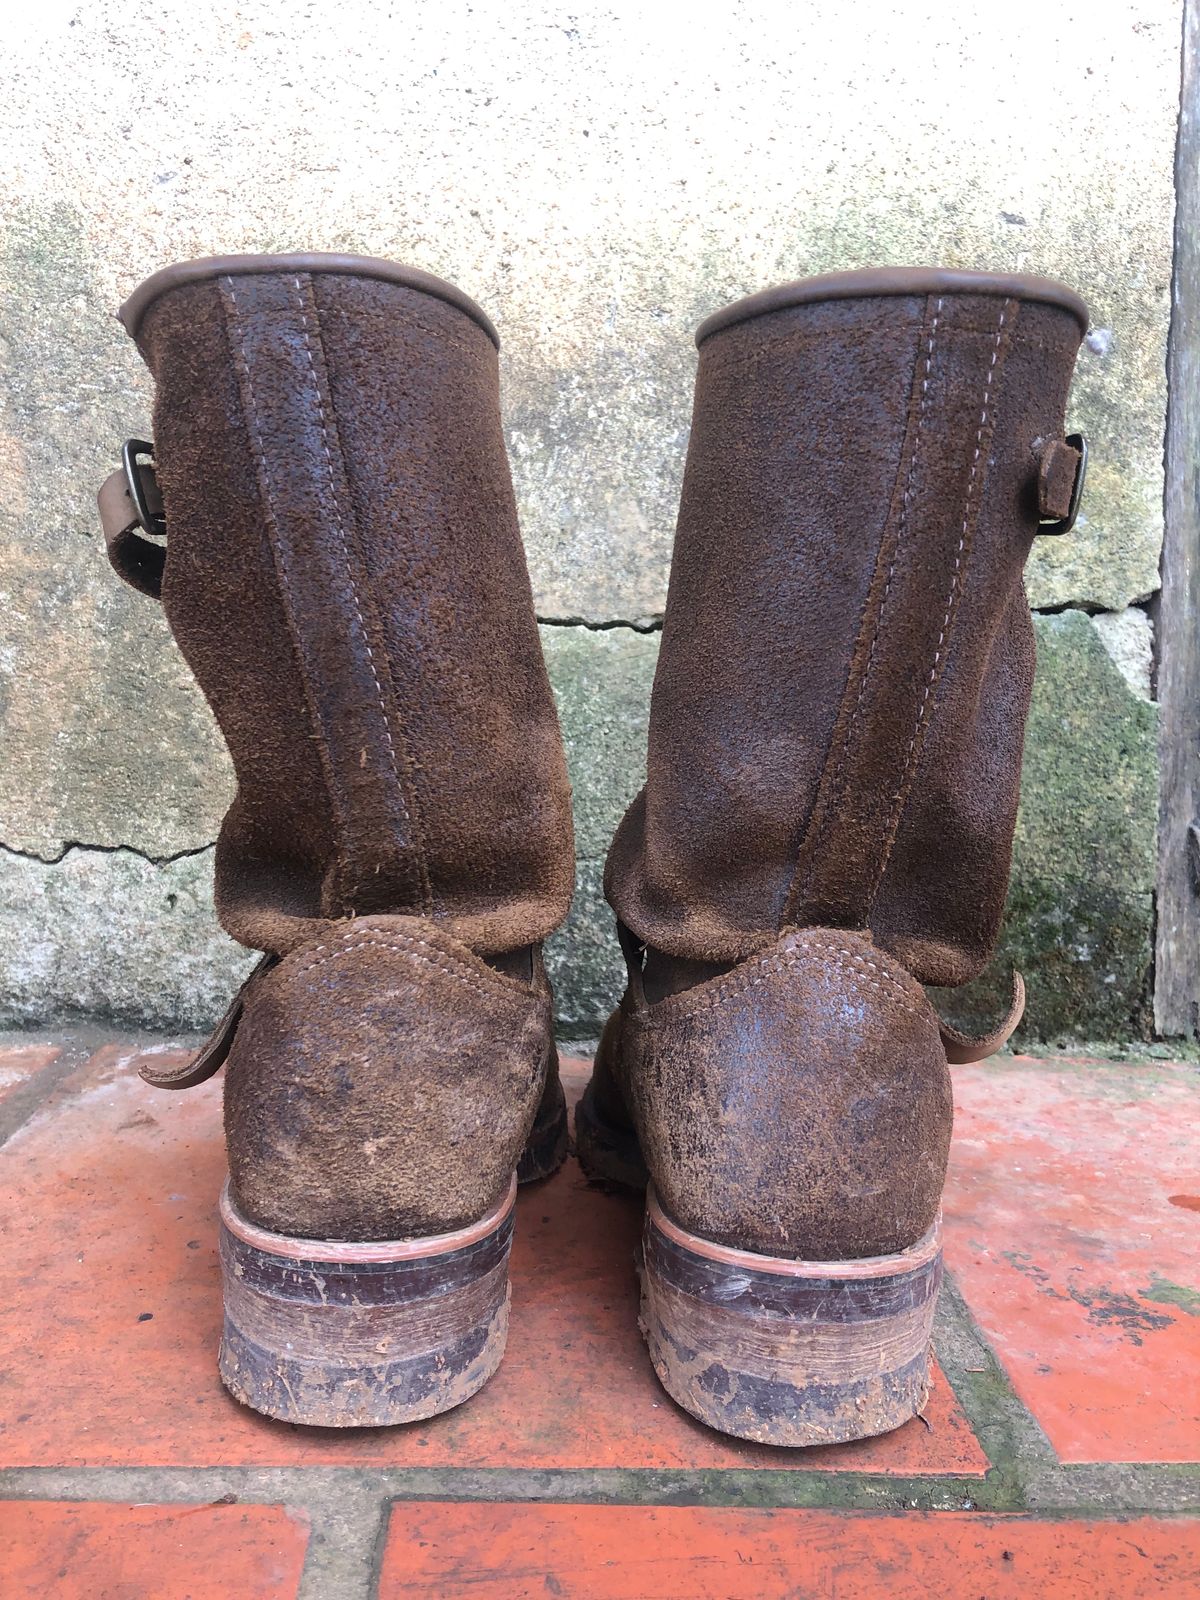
<point x="70" y="846"/>
<point x="644" y="625"/>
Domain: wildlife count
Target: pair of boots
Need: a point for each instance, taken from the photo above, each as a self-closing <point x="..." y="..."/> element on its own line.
<point x="834" y="754"/>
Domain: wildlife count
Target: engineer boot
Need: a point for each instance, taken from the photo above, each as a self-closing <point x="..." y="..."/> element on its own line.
<point x="344" y="574"/>
<point x="833" y="769"/>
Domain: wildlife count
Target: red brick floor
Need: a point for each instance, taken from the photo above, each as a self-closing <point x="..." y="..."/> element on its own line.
<point x="85" y="1550"/>
<point x="1073" y="1235"/>
<point x="1073" y="1229"/>
<point x="144" y="1169"/>
<point x="501" y="1552"/>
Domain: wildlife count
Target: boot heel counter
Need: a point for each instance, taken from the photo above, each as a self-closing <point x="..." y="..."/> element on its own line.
<point x="381" y="1085"/>
<point x="800" y="1105"/>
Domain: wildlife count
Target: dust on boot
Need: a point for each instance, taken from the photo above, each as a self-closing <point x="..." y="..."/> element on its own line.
<point x="834" y="760"/>
<point x="344" y="574"/>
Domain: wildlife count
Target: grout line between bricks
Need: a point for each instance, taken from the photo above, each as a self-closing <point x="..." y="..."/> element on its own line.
<point x="348" y="1531"/>
<point x="348" y="1489"/>
<point x="1066" y="1491"/>
<point x="1010" y="1435"/>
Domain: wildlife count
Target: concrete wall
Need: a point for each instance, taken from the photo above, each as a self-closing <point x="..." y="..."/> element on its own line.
<point x="599" y="178"/>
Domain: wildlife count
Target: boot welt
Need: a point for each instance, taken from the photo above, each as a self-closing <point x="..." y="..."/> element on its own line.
<point x="339" y="1334"/>
<point x="788" y="1352"/>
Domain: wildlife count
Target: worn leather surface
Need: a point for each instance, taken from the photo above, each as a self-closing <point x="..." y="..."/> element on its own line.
<point x="838" y="712"/>
<point x="345" y="576"/>
<point x="346" y="579"/>
<point x="797" y="1106"/>
<point x="382" y="1083"/>
<point x="834" y="748"/>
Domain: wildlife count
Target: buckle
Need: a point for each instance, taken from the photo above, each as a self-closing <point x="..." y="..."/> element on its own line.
<point x="1056" y="525"/>
<point x="152" y="521"/>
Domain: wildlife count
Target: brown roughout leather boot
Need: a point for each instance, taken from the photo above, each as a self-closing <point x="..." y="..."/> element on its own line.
<point x="833" y="768"/>
<point x="344" y="574"/>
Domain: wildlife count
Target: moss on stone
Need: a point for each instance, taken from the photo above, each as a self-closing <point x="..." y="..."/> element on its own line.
<point x="1080" y="915"/>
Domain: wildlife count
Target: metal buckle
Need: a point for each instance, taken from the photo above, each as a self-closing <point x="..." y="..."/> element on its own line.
<point x="1055" y="525"/>
<point x="151" y="521"/>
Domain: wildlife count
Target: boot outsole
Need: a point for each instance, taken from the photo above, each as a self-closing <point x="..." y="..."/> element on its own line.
<point x="766" y="1348"/>
<point x="788" y="1352"/>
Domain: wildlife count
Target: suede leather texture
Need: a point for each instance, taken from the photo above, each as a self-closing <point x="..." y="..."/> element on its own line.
<point x="345" y="577"/>
<point x="382" y="1084"/>
<point x="837" y="718"/>
<point x="834" y="759"/>
<point x="798" y="1106"/>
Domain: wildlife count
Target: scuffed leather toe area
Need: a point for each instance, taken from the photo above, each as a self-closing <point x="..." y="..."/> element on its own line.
<point x="382" y="1084"/>
<point x="798" y="1106"/>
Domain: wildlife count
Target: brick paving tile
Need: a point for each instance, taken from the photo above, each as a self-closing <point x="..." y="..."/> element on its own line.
<point x="1073" y="1230"/>
<point x="588" y="1552"/>
<point x="85" y="1550"/>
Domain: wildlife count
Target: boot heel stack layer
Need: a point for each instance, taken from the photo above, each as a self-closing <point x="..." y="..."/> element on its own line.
<point x="788" y="1352"/>
<point x="344" y="1334"/>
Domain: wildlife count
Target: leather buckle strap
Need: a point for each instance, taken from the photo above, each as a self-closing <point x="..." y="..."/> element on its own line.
<point x="1061" y="477"/>
<point x="129" y="501"/>
<point x="963" y="1048"/>
<point x="211" y="1057"/>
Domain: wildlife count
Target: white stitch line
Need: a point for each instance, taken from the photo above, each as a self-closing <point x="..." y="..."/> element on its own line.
<point x="962" y="540"/>
<point x="358" y="935"/>
<point x="438" y="966"/>
<point x="891" y="988"/>
<point x="904" y="505"/>
<point x="784" y="964"/>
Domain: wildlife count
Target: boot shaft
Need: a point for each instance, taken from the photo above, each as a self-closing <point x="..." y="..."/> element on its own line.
<point x="847" y="655"/>
<point x="345" y="577"/>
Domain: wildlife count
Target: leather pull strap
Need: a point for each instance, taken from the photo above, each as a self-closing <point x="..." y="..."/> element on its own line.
<point x="962" y="1048"/>
<point x="135" y="558"/>
<point x="213" y="1054"/>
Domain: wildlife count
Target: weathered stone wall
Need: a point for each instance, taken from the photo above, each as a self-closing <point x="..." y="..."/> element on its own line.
<point x="600" y="180"/>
